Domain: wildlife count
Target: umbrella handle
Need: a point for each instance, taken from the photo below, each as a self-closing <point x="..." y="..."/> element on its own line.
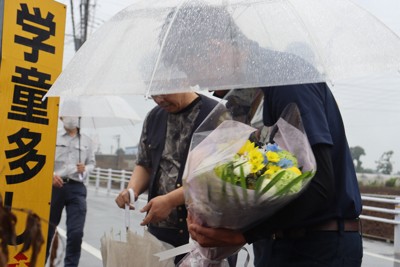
<point x="131" y="201"/>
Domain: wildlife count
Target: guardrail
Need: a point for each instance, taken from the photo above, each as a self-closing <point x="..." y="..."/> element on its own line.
<point x="107" y="178"/>
<point x="395" y="200"/>
<point x="118" y="179"/>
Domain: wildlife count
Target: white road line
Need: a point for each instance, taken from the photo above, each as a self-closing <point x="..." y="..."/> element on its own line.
<point x="381" y="257"/>
<point x="85" y="246"/>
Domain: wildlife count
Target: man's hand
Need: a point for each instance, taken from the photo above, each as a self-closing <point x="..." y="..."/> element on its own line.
<point x="214" y="237"/>
<point x="57" y="181"/>
<point x="123" y="199"/>
<point x="157" y="209"/>
<point x="80" y="168"/>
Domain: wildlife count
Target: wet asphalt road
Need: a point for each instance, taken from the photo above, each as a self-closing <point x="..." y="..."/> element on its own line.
<point x="104" y="216"/>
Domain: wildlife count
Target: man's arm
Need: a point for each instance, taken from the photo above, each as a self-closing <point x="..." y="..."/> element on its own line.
<point x="317" y="197"/>
<point x="87" y="166"/>
<point x="159" y="207"/>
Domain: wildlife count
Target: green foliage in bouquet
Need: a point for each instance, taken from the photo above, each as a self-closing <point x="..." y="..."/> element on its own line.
<point x="266" y="168"/>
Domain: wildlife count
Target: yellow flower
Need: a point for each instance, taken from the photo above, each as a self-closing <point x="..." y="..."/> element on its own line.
<point x="257" y="167"/>
<point x="272" y="169"/>
<point x="248" y="146"/>
<point x="273" y="156"/>
<point x="256" y="160"/>
<point x="295" y="170"/>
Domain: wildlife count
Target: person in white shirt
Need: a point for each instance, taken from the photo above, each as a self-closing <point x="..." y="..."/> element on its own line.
<point x="74" y="160"/>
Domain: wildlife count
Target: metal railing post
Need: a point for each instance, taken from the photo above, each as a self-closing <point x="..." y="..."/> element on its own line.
<point x="122" y="181"/>
<point x="97" y="178"/>
<point x="397" y="228"/>
<point x="109" y="180"/>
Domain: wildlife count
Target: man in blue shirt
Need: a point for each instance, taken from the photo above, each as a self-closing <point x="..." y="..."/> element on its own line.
<point x="321" y="226"/>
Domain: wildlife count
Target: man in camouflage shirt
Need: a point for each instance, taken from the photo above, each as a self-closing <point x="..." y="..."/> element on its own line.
<point x="163" y="148"/>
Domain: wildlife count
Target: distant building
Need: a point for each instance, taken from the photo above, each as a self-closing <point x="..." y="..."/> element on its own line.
<point x="131" y="150"/>
<point x="116" y="162"/>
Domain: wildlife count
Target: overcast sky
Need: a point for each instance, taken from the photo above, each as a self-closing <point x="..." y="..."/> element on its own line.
<point x="370" y="108"/>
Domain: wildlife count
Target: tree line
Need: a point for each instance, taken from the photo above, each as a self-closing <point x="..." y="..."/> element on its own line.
<point x="384" y="164"/>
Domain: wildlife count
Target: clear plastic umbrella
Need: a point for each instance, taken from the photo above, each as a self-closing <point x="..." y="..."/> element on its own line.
<point x="136" y="251"/>
<point x="99" y="111"/>
<point x="167" y="46"/>
<point x="96" y="112"/>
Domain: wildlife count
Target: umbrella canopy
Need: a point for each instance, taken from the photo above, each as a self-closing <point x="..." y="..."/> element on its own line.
<point x="99" y="111"/>
<point x="167" y="46"/>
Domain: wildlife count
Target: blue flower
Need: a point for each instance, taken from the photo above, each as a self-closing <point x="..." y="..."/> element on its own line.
<point x="272" y="147"/>
<point x="285" y="163"/>
<point x="265" y="159"/>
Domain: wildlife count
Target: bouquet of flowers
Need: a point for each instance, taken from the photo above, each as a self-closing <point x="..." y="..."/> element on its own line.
<point x="266" y="169"/>
<point x="233" y="182"/>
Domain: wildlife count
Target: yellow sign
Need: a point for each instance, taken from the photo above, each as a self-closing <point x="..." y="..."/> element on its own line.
<point x="31" y="60"/>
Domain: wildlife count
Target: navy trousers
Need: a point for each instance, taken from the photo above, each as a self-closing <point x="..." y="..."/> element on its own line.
<point x="316" y="249"/>
<point x="72" y="196"/>
<point x="262" y="252"/>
